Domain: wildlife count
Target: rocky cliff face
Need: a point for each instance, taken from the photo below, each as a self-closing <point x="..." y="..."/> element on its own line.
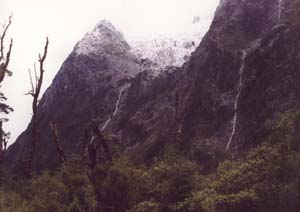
<point x="89" y="85"/>
<point x="234" y="83"/>
<point x="95" y="81"/>
<point x="240" y="73"/>
<point x="244" y="72"/>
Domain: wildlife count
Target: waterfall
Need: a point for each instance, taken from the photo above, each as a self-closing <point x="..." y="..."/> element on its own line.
<point x="119" y="99"/>
<point x="105" y="124"/>
<point x="240" y="86"/>
<point x="116" y="107"/>
<point x="280" y="7"/>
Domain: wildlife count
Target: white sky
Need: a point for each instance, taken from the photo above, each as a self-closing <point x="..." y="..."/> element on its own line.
<point x="66" y="21"/>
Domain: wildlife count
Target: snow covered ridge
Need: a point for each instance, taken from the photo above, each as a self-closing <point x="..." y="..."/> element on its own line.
<point x="161" y="51"/>
<point x="166" y="51"/>
<point x="104" y="38"/>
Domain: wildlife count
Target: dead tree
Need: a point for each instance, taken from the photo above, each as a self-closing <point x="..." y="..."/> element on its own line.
<point x="85" y="141"/>
<point x="102" y="140"/>
<point x="93" y="155"/>
<point x="36" y="85"/>
<point x="4" y="60"/>
<point x="94" y="143"/>
<point x="4" y="108"/>
<point x="54" y="130"/>
<point x="3" y="144"/>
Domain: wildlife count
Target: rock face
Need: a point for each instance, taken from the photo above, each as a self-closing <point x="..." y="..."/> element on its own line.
<point x="88" y="86"/>
<point x="244" y="72"/>
<point x="241" y="73"/>
<point x="92" y="84"/>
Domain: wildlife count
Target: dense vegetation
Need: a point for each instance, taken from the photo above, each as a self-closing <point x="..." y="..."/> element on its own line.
<point x="265" y="178"/>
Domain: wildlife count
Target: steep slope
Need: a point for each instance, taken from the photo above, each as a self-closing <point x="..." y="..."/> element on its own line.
<point x="245" y="72"/>
<point x="89" y="85"/>
<point x="242" y="75"/>
<point x="92" y="84"/>
<point x="237" y="79"/>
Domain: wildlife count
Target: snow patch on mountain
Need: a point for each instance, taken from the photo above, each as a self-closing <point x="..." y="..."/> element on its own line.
<point x="104" y="38"/>
<point x="166" y="51"/>
<point x="154" y="53"/>
<point x="173" y="49"/>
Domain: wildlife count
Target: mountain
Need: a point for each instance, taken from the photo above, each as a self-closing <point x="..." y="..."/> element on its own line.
<point x="239" y="78"/>
<point x="92" y="84"/>
<point x="236" y="82"/>
<point x="171" y="49"/>
<point x="166" y="51"/>
<point x="242" y="75"/>
<point x="89" y="82"/>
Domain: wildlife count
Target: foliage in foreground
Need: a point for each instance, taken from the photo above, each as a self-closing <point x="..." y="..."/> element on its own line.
<point x="264" y="179"/>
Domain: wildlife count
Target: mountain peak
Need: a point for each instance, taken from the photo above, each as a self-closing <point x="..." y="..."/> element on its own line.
<point x="103" y="39"/>
<point x="104" y="25"/>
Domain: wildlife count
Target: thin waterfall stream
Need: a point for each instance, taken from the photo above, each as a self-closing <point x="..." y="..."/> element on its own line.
<point x="116" y="107"/>
<point x="280" y="7"/>
<point x="240" y="86"/>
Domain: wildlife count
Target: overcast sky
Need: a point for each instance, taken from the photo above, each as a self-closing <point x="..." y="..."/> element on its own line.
<point x="66" y="21"/>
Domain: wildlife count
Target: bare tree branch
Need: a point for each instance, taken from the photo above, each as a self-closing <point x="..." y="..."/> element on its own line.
<point x="84" y="143"/>
<point x="8" y="54"/>
<point x="4" y="61"/>
<point x="3" y="37"/>
<point x="90" y="144"/>
<point x="36" y="76"/>
<point x="31" y="82"/>
<point x="35" y="94"/>
<point x="102" y="140"/>
<point x="3" y="143"/>
<point x="54" y="130"/>
<point x="93" y="155"/>
<point x="41" y="77"/>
